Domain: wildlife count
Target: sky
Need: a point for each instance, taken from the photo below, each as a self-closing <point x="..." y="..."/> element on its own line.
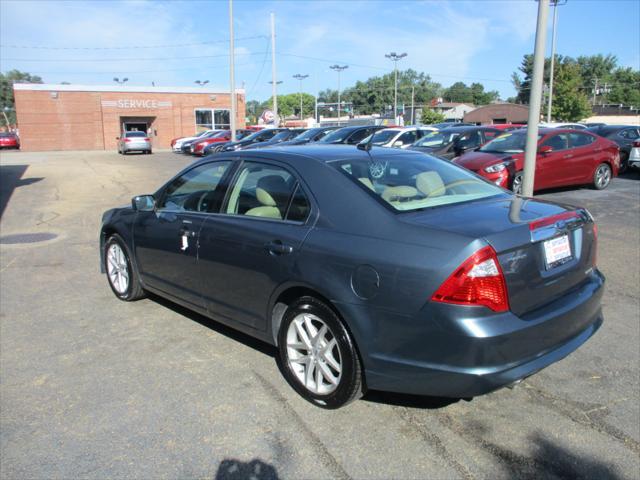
<point x="174" y="43"/>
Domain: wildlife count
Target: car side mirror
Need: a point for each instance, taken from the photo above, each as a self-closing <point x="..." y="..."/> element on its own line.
<point x="143" y="203"/>
<point x="398" y="143"/>
<point x="545" y="149"/>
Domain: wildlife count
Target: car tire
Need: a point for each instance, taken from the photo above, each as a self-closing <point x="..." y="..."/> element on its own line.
<point x="121" y="275"/>
<point x="624" y="162"/>
<point x="329" y="375"/>
<point x="516" y="183"/>
<point x="602" y="176"/>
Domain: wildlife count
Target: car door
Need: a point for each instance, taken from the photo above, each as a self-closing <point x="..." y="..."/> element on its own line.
<point x="251" y="246"/>
<point x="552" y="166"/>
<point x="583" y="160"/>
<point x="166" y="239"/>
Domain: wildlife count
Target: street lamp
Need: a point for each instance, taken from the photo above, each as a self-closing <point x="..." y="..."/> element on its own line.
<point x="300" y="77"/>
<point x="394" y="57"/>
<point x="339" y="69"/>
<point x="555" y="4"/>
<point x="117" y="80"/>
<point x="202" y="83"/>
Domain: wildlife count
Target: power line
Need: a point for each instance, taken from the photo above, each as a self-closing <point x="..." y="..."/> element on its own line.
<point x="130" y="47"/>
<point x="63" y="60"/>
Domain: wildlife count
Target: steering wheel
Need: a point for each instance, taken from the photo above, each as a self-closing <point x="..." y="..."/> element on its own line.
<point x="202" y="202"/>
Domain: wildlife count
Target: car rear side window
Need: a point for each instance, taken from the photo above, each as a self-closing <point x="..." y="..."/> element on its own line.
<point x="359" y="135"/>
<point x="196" y="190"/>
<point x="267" y="191"/>
<point x="580" y="140"/>
<point x="630" y="133"/>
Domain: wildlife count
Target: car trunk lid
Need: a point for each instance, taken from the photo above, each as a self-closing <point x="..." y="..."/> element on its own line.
<point x="530" y="238"/>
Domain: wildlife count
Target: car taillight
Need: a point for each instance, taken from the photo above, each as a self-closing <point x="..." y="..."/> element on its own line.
<point x="545" y="222"/>
<point x="147" y="139"/>
<point x="127" y="140"/>
<point x="636" y="144"/>
<point x="478" y="281"/>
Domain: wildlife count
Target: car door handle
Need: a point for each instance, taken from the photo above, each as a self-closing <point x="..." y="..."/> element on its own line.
<point x="185" y="232"/>
<point x="276" y="247"/>
<point x="568" y="156"/>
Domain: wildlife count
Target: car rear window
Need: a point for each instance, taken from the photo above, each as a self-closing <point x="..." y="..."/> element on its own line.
<point x="7" y="134"/>
<point x="415" y="182"/>
<point x="135" y="134"/>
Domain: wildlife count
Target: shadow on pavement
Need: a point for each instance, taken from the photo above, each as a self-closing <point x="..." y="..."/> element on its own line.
<point x="255" y="469"/>
<point x="406" y="400"/>
<point x="10" y="179"/>
<point x="229" y="332"/>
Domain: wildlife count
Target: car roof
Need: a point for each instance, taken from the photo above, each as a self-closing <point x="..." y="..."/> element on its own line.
<point x="314" y="152"/>
<point x="464" y="128"/>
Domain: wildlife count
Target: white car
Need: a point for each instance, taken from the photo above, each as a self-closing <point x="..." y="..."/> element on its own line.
<point x="177" y="146"/>
<point x="398" y="137"/>
<point x="575" y="126"/>
<point x="634" y="155"/>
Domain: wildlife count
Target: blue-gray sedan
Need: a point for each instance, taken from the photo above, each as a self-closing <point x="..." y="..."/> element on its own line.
<point x="388" y="269"/>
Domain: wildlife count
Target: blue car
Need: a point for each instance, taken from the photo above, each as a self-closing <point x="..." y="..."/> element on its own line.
<point x="383" y="269"/>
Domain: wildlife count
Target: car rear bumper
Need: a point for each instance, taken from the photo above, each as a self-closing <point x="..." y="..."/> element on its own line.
<point x="136" y="147"/>
<point x="634" y="158"/>
<point x="455" y="351"/>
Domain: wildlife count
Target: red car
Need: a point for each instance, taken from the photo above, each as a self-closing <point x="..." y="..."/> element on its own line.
<point x="199" y="145"/>
<point x="9" y="140"/>
<point x="506" y="126"/>
<point x="565" y="157"/>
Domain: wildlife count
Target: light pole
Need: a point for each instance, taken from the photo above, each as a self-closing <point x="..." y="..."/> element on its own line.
<point x="275" y="100"/>
<point x="394" y="57"/>
<point x="556" y="4"/>
<point x="202" y="83"/>
<point x="117" y="80"/>
<point x="232" y="78"/>
<point x="339" y="69"/>
<point x="300" y="77"/>
<point x="535" y="98"/>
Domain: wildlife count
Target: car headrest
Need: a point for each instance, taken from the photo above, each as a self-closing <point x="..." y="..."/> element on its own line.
<point x="430" y="184"/>
<point x="272" y="190"/>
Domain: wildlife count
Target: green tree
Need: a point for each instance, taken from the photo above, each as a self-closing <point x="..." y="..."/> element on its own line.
<point x="598" y="67"/>
<point x="570" y="103"/>
<point x="458" y="92"/>
<point x="430" y="116"/>
<point x="625" y="87"/>
<point x="523" y="84"/>
<point x="289" y="105"/>
<point x="7" y="102"/>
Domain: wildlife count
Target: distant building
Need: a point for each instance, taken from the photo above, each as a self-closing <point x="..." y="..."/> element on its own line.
<point x="498" y="113"/>
<point x="92" y="117"/>
<point x="452" y="111"/>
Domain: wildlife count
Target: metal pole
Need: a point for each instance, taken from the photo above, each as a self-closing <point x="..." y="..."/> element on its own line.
<point x="413" y="91"/>
<point x="232" y="80"/>
<point x="316" y="109"/>
<point x="535" y="100"/>
<point x="553" y="59"/>
<point x="300" y="99"/>
<point x="339" y="69"/>
<point x="395" y="91"/>
<point x="273" y="67"/>
<point x="300" y="77"/>
<point x="595" y="91"/>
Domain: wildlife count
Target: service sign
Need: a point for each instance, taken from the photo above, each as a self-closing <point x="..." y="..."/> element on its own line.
<point x="135" y="104"/>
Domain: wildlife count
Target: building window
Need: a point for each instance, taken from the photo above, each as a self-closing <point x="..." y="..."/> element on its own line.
<point x="210" y="119"/>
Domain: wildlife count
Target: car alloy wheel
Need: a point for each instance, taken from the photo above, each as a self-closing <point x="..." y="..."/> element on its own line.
<point x="317" y="355"/>
<point x="516" y="184"/>
<point x="313" y="354"/>
<point x="602" y="176"/>
<point x="118" y="269"/>
<point x="122" y="278"/>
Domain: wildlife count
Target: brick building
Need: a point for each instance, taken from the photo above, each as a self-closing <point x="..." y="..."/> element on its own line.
<point x="82" y="117"/>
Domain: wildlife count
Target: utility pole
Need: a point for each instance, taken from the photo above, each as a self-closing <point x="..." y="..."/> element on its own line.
<point x="595" y="91"/>
<point x="556" y="4"/>
<point x="274" y="82"/>
<point x="413" y="92"/>
<point x="316" y="109"/>
<point x="232" y="79"/>
<point x="339" y="69"/>
<point x="535" y="98"/>
<point x="300" y="77"/>
<point x="394" y="57"/>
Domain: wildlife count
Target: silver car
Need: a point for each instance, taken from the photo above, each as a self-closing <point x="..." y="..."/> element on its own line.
<point x="134" y="142"/>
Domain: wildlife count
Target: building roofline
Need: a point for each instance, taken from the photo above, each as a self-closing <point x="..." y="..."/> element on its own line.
<point x="46" y="87"/>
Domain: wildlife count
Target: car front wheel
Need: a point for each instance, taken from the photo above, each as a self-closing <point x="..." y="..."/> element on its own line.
<point x="602" y="176"/>
<point x="318" y="356"/>
<point x="122" y="278"/>
<point x="516" y="183"/>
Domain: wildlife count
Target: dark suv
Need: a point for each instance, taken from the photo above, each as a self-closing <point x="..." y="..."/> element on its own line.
<point x="623" y="135"/>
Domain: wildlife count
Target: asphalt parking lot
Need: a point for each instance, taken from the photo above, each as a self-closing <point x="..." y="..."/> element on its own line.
<point x="91" y="387"/>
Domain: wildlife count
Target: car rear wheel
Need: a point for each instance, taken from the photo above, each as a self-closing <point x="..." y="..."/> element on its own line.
<point x="624" y="162"/>
<point x="122" y="278"/>
<point x="318" y="356"/>
<point x="602" y="176"/>
<point x="516" y="183"/>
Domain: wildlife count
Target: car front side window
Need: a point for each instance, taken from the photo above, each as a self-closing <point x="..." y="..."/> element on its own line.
<point x="557" y="142"/>
<point x="196" y="190"/>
